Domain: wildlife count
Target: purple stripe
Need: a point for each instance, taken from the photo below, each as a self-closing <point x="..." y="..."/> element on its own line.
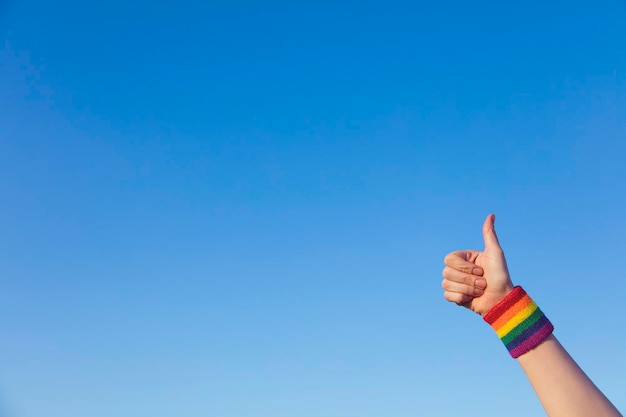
<point x="532" y="341"/>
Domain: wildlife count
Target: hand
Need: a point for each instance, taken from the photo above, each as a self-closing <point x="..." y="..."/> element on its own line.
<point x="477" y="280"/>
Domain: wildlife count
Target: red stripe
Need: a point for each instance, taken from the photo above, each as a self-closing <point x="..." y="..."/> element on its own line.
<point x="503" y="305"/>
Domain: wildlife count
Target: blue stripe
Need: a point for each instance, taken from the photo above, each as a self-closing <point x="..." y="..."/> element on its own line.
<point x="527" y="333"/>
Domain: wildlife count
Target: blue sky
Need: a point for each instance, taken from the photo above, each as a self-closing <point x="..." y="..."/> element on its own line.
<point x="241" y="209"/>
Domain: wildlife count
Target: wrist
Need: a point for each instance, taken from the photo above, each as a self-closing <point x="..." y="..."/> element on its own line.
<point x="492" y="297"/>
<point x="519" y="322"/>
<point x="502" y="294"/>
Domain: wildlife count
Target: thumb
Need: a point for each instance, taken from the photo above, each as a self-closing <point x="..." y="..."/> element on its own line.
<point x="489" y="233"/>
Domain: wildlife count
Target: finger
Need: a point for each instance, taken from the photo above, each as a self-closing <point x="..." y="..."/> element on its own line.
<point x="460" y="277"/>
<point x="458" y="298"/>
<point x="451" y="286"/>
<point x="489" y="233"/>
<point x="462" y="260"/>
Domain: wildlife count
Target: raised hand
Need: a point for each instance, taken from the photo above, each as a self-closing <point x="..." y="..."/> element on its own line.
<point x="477" y="280"/>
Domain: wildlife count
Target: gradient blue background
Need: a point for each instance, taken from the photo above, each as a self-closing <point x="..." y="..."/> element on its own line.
<point x="241" y="209"/>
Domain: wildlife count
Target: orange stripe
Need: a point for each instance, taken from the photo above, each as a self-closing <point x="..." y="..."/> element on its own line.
<point x="517" y="320"/>
<point x="511" y="312"/>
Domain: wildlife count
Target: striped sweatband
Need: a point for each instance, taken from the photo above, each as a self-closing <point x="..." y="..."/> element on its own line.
<point x="519" y="323"/>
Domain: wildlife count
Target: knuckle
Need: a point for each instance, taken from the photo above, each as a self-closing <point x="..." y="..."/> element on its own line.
<point x="463" y="300"/>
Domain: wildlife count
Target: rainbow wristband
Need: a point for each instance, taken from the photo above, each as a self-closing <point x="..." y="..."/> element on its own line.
<point x="519" y="323"/>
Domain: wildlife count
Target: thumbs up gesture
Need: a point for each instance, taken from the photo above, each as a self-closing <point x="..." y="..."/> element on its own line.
<point x="477" y="280"/>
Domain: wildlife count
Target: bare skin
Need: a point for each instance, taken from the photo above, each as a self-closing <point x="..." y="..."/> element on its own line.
<point x="478" y="280"/>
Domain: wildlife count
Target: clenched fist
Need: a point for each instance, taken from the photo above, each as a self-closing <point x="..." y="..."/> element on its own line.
<point x="477" y="280"/>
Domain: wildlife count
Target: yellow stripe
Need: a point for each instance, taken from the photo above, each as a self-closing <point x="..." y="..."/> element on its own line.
<point x="516" y="320"/>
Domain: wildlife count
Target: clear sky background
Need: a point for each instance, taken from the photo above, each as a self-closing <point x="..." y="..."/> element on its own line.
<point x="240" y="209"/>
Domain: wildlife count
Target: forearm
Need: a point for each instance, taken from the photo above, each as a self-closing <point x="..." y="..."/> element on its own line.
<point x="481" y="282"/>
<point x="562" y="387"/>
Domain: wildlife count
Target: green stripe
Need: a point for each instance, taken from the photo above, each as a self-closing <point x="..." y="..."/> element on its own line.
<point x="529" y="321"/>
